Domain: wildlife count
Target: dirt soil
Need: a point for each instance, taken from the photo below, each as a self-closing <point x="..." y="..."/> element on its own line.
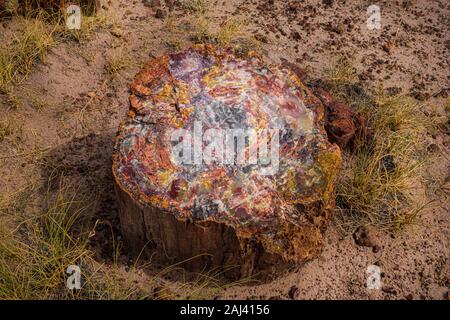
<point x="71" y="107"/>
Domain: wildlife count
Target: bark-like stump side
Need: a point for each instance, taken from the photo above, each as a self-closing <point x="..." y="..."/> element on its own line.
<point x="213" y="216"/>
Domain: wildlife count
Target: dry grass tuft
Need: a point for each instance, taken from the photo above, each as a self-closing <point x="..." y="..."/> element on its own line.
<point x="118" y="61"/>
<point x="29" y="46"/>
<point x="207" y="285"/>
<point x="380" y="180"/>
<point x="6" y="129"/>
<point x="199" y="27"/>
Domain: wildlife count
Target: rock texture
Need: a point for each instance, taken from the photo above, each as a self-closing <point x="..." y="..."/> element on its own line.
<point x="235" y="215"/>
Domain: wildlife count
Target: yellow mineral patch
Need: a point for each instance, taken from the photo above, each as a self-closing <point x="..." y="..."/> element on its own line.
<point x="166" y="91"/>
<point x="165" y="177"/>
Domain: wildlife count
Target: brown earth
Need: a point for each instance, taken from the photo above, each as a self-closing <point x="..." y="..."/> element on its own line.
<point x="71" y="107"/>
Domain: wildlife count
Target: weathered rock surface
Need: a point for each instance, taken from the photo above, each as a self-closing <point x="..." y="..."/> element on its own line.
<point x="249" y="215"/>
<point x="344" y="127"/>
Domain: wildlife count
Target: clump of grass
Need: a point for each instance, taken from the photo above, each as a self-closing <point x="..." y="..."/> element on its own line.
<point x="12" y="98"/>
<point x="199" y="27"/>
<point x="38" y="102"/>
<point x="208" y="285"/>
<point x="34" y="268"/>
<point x="378" y="182"/>
<point x="9" y="127"/>
<point x="229" y="31"/>
<point x="341" y="73"/>
<point x="10" y="7"/>
<point x="31" y="45"/>
<point x="35" y="255"/>
<point x="89" y="25"/>
<point x="6" y="129"/>
<point x="39" y="30"/>
<point x="117" y="62"/>
<point x="195" y="6"/>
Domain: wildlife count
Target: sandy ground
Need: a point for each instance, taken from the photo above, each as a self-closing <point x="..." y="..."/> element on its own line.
<point x="71" y="108"/>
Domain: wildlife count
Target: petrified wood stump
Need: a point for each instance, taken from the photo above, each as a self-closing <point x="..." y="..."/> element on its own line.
<point x="223" y="161"/>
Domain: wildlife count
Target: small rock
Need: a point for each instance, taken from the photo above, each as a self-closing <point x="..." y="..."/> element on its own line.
<point x="387" y="163"/>
<point x="389" y="290"/>
<point x="406" y="4"/>
<point x="293" y="292"/>
<point x="366" y="236"/>
<point x="409" y="297"/>
<point x="160" y="14"/>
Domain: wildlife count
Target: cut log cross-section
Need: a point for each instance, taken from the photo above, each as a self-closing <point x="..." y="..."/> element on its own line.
<point x="223" y="162"/>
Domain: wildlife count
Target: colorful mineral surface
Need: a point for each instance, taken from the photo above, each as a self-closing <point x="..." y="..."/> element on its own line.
<point x="282" y="199"/>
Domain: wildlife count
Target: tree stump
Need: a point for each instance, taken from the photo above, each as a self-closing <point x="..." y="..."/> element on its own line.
<point x="223" y="162"/>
